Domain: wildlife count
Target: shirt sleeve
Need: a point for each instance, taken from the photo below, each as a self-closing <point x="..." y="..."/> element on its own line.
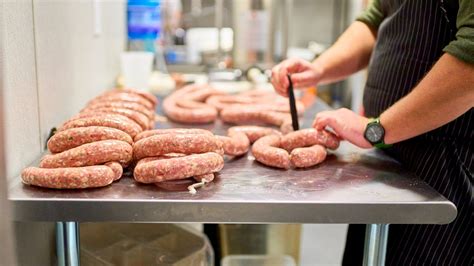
<point x="463" y="46"/>
<point x="373" y="15"/>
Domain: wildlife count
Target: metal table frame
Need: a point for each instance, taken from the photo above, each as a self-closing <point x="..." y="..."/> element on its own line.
<point x="352" y="186"/>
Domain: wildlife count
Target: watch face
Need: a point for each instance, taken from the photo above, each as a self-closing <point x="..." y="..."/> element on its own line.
<point x="374" y="133"/>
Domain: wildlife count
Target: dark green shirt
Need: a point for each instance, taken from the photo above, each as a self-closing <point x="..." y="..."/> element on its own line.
<point x="462" y="47"/>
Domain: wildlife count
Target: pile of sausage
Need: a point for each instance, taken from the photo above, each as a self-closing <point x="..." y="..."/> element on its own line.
<point x="166" y="155"/>
<point x="198" y="104"/>
<point x="92" y="148"/>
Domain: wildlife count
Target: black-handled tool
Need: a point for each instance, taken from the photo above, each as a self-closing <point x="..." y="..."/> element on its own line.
<point x="294" y="112"/>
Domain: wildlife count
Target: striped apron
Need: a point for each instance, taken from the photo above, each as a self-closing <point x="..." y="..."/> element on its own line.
<point x="410" y="40"/>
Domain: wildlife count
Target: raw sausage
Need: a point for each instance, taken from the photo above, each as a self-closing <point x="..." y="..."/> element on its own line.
<point x="124" y="105"/>
<point x="107" y="120"/>
<point x="116" y="168"/>
<point x="150" y="97"/>
<point x="177" y="168"/>
<point x="149" y="133"/>
<point x="254" y="132"/>
<point x="235" y="143"/>
<point x="308" y="137"/>
<point x="177" y="113"/>
<point x="69" y="178"/>
<point x="142" y="120"/>
<point x="175" y="143"/>
<point x="308" y="156"/>
<point x="94" y="153"/>
<point x="74" y="137"/>
<point x="266" y="150"/>
<point x="253" y="115"/>
<point x="186" y="106"/>
<point x="123" y="97"/>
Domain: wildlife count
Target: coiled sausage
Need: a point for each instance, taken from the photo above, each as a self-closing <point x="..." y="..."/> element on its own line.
<point x="254" y="132"/>
<point x="158" y="170"/>
<point x="307" y="156"/>
<point x="74" y="137"/>
<point x="175" y="143"/>
<point x="266" y="150"/>
<point x="149" y="133"/>
<point x="107" y="120"/>
<point x="94" y="153"/>
<point x="308" y="137"/>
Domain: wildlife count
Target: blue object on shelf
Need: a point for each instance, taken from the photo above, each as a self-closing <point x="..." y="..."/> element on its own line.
<point x="143" y="19"/>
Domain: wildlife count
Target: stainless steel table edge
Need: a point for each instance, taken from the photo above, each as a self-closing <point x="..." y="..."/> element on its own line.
<point x="235" y="212"/>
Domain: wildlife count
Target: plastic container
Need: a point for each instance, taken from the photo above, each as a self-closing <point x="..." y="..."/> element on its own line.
<point x="257" y="260"/>
<point x="260" y="239"/>
<point x="136" y="69"/>
<point x="143" y="244"/>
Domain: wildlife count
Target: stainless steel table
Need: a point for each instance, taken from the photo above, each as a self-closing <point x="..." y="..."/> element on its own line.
<point x="352" y="186"/>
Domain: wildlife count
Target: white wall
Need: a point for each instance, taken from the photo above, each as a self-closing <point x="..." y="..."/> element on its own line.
<point x="21" y="126"/>
<point x="53" y="64"/>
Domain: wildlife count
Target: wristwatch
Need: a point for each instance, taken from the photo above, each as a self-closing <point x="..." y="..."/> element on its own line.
<point x="375" y="134"/>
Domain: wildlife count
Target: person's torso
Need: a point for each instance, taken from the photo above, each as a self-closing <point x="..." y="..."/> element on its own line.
<point x="409" y="41"/>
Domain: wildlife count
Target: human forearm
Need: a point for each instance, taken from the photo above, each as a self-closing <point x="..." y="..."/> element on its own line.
<point x="443" y="95"/>
<point x="349" y="54"/>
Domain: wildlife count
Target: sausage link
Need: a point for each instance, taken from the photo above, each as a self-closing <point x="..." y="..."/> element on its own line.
<point x="139" y="118"/>
<point x="146" y="95"/>
<point x="177" y="168"/>
<point x="266" y="151"/>
<point x="253" y="115"/>
<point x="309" y="137"/>
<point x="224" y="101"/>
<point x="149" y="133"/>
<point x="308" y="156"/>
<point x="180" y="114"/>
<point x="142" y="120"/>
<point x="94" y="153"/>
<point x="106" y="120"/>
<point x="254" y="132"/>
<point x="69" y="178"/>
<point x="186" y="106"/>
<point x="175" y="143"/>
<point x="124" y="105"/>
<point x="117" y="168"/>
<point x="235" y="144"/>
<point x="124" y="97"/>
<point x="74" y="137"/>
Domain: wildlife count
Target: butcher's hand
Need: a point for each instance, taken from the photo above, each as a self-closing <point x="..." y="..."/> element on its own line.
<point x="346" y="124"/>
<point x="303" y="74"/>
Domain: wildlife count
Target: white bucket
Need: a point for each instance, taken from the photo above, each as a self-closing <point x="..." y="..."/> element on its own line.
<point x="136" y="69"/>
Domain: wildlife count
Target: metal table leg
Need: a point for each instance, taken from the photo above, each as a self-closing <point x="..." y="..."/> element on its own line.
<point x="375" y="244"/>
<point x="67" y="243"/>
